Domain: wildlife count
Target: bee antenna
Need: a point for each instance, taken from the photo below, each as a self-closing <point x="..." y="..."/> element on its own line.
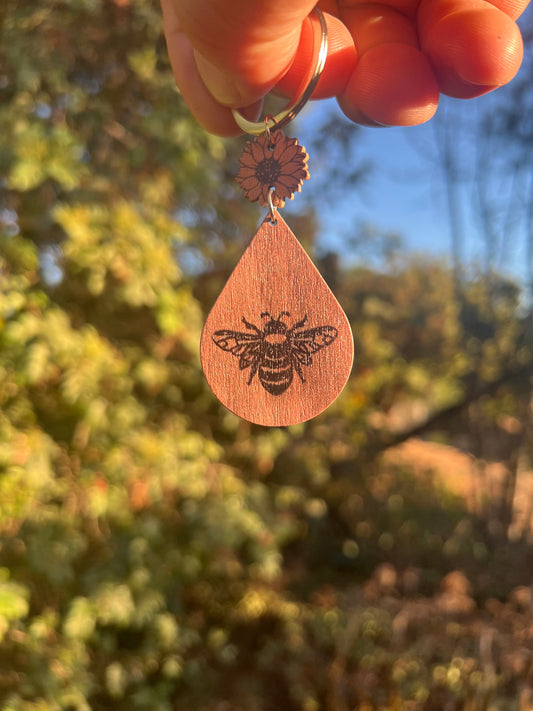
<point x="265" y="313"/>
<point x="283" y="313"/>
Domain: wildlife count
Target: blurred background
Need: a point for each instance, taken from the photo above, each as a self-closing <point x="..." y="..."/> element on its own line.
<point x="156" y="552"/>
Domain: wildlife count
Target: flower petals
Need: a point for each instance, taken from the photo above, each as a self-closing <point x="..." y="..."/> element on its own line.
<point x="258" y="151"/>
<point x="268" y="155"/>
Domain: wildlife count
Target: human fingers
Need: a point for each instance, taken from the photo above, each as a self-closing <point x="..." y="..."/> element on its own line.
<point x="241" y="48"/>
<point x="393" y="83"/>
<point x="214" y="117"/>
<point x="409" y="51"/>
<point x="474" y="46"/>
<point x="513" y="8"/>
<point x="340" y="63"/>
<point x="212" y="74"/>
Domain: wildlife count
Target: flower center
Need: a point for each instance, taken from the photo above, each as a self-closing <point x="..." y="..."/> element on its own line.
<point x="268" y="171"/>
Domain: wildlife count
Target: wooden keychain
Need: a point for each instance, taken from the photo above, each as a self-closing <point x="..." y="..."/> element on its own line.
<point x="276" y="348"/>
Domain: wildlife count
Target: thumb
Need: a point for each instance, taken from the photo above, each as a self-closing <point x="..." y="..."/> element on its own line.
<point x="243" y="47"/>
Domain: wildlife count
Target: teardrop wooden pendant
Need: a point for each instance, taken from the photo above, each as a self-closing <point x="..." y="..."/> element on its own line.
<point x="276" y="348"/>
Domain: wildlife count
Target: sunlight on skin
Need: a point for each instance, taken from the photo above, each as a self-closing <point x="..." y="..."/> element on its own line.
<point x="387" y="61"/>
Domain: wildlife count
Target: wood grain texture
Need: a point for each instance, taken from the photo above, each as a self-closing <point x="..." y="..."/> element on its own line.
<point x="276" y="348"/>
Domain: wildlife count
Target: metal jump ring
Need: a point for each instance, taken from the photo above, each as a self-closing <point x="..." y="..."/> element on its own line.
<point x="255" y="128"/>
<point x="266" y="121"/>
<point x="273" y="209"/>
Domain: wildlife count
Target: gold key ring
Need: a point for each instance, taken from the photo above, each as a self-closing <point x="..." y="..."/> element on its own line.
<point x="255" y="128"/>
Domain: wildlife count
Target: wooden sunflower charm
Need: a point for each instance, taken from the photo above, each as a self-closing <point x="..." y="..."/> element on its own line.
<point x="272" y="161"/>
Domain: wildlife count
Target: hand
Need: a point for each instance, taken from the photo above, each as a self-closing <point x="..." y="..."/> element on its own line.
<point x="387" y="61"/>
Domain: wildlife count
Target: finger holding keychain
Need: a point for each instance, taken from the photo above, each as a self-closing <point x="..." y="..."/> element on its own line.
<point x="387" y="61"/>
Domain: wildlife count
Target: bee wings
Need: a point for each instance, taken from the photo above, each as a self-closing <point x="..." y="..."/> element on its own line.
<point x="247" y="346"/>
<point x="310" y="341"/>
<point x="244" y="346"/>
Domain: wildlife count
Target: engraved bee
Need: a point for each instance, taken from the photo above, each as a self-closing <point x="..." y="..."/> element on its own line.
<point x="275" y="351"/>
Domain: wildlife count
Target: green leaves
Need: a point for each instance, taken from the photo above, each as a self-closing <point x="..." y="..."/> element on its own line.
<point x="143" y="62"/>
<point x="117" y="247"/>
<point x="80" y="620"/>
<point x="41" y="152"/>
<point x="13" y="602"/>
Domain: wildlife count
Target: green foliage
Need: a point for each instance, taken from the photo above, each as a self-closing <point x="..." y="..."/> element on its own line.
<point x="158" y="553"/>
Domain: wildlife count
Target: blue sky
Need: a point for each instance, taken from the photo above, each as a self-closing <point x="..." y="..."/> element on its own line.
<point x="405" y="192"/>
